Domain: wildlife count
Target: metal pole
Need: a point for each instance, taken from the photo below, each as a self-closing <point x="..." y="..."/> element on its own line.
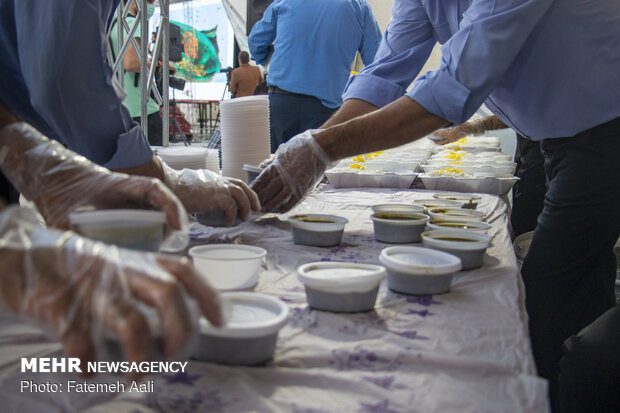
<point x="144" y="70"/>
<point x="164" y="6"/>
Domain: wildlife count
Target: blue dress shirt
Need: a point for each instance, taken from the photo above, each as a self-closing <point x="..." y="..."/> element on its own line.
<point x="314" y="44"/>
<point x="546" y="68"/>
<point x="53" y="73"/>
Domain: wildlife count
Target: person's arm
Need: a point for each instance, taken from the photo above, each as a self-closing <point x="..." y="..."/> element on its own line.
<point x="70" y="84"/>
<point x="263" y="35"/>
<point x="474" y="60"/>
<point x="88" y="293"/>
<point x="371" y="36"/>
<point x="233" y="82"/>
<point x="473" y="128"/>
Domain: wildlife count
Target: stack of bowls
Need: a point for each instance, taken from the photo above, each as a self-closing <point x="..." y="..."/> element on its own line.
<point x="186" y="157"/>
<point x="245" y="133"/>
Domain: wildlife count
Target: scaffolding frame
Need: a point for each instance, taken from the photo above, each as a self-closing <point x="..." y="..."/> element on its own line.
<point x="147" y="73"/>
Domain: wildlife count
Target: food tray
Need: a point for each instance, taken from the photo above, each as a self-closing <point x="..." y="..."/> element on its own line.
<point x="370" y="180"/>
<point x="487" y="185"/>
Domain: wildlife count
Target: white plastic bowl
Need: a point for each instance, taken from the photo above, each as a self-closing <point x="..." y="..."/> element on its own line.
<point x="419" y="271"/>
<point x="476" y="226"/>
<point x="468" y="246"/>
<point x="397" y="208"/>
<point x="398" y="227"/>
<point x="319" y="230"/>
<point x="126" y="228"/>
<point x="437" y="203"/>
<point x="228" y="266"/>
<point x="250" y="334"/>
<point x="341" y="287"/>
<point x="456" y="214"/>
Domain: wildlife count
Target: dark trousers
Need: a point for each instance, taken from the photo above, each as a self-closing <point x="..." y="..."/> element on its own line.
<point x="570" y="269"/>
<point x="290" y="115"/>
<point x="590" y="368"/>
<point x="528" y="194"/>
<point x="155" y="131"/>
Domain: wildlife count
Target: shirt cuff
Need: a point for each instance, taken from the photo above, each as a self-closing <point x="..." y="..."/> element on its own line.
<point x="132" y="149"/>
<point x="372" y="89"/>
<point x="442" y="95"/>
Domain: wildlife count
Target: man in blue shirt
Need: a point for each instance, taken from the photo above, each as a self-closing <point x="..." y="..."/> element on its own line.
<point x="54" y="75"/>
<point x="548" y="69"/>
<point x="314" y="44"/>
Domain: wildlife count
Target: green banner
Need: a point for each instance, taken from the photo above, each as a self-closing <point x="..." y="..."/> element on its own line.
<point x="201" y="59"/>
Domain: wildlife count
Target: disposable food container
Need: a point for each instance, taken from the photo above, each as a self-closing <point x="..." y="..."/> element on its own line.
<point x="468" y="246"/>
<point x="476" y="226"/>
<point x="341" y="287"/>
<point x="456" y="214"/>
<point x="397" y="208"/>
<point x="319" y="230"/>
<point x="251" y="172"/>
<point x="419" y="271"/>
<point x="250" y="334"/>
<point x="399" y="227"/>
<point x="469" y="201"/>
<point x="215" y="218"/>
<point x="126" y="228"/>
<point x="437" y="203"/>
<point x="228" y="266"/>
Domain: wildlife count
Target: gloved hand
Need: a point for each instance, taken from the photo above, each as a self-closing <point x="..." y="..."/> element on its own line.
<point x="87" y="292"/>
<point x="297" y="167"/>
<point x="455" y="133"/>
<point x="59" y="181"/>
<point x="203" y="190"/>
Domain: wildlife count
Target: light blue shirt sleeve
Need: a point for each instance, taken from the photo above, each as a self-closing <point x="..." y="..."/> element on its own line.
<point x="476" y="57"/>
<point x="263" y="35"/>
<point x="371" y="36"/>
<point x="62" y="49"/>
<point x="404" y="49"/>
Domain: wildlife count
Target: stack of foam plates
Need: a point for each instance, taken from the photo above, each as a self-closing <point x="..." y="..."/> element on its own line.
<point x="245" y="133"/>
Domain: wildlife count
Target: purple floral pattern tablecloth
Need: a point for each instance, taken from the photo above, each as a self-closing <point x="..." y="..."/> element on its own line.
<point x="464" y="351"/>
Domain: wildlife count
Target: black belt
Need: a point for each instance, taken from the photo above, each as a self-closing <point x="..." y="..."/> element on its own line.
<point x="275" y="89"/>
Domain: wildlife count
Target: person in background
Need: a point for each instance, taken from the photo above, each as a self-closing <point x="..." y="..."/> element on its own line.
<point x="56" y="79"/>
<point x="82" y="291"/>
<point x="528" y="193"/>
<point x="314" y="44"/>
<point x="543" y="78"/>
<point x="131" y="81"/>
<point x="245" y="78"/>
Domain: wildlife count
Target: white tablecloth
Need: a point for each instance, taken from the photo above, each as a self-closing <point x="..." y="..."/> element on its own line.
<point x="464" y="351"/>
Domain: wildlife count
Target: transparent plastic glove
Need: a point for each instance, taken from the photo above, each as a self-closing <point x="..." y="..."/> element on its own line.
<point x="89" y="294"/>
<point x="445" y="136"/>
<point x="298" y="166"/>
<point x="59" y="182"/>
<point x="203" y="190"/>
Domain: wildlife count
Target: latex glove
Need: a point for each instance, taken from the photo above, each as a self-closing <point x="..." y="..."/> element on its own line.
<point x="203" y="190"/>
<point x="87" y="292"/>
<point x="298" y="166"/>
<point x="59" y="181"/>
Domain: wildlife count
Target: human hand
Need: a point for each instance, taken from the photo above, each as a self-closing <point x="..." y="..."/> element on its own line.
<point x="297" y="167"/>
<point x="89" y="293"/>
<point x="455" y="133"/>
<point x="203" y="190"/>
<point x="59" y="181"/>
